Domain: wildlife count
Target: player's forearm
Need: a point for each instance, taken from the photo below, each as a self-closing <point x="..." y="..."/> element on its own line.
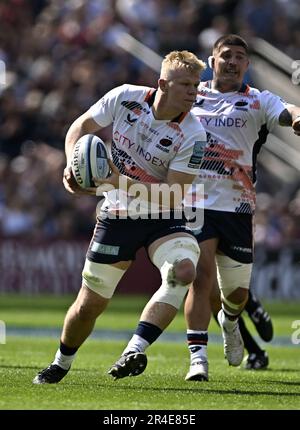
<point x="85" y="124"/>
<point x="74" y="133"/>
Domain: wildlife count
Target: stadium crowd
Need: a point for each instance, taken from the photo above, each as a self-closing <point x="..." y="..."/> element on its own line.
<point x="62" y="56"/>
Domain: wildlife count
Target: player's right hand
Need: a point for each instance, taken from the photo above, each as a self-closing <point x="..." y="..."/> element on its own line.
<point x="71" y="185"/>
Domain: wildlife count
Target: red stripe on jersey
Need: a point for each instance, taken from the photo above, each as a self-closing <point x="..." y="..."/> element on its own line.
<point x="149" y="94"/>
<point x="247" y="90"/>
<point x="197" y="342"/>
<point x="182" y="116"/>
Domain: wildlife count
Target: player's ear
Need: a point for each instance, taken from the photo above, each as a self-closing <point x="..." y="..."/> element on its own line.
<point x="163" y="85"/>
<point x="211" y="61"/>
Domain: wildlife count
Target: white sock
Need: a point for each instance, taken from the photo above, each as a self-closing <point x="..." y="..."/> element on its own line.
<point x="197" y="352"/>
<point x="63" y="361"/>
<point x="136" y="344"/>
<point x="199" y="355"/>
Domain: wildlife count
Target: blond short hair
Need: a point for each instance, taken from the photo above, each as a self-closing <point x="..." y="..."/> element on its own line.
<point x="181" y="60"/>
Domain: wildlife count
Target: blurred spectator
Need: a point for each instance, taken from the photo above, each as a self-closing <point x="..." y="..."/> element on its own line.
<point x="33" y="202"/>
<point x="277" y="221"/>
<point x="62" y="56"/>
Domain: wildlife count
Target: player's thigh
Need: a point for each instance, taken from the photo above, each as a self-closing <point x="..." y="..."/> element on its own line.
<point x="114" y="242"/>
<point x="236" y="237"/>
<point x="207" y="264"/>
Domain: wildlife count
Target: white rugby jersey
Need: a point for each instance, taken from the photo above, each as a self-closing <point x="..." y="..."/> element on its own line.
<point x="144" y="148"/>
<point x="237" y="124"/>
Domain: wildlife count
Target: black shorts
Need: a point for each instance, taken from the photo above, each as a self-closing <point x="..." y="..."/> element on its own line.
<point x="117" y="240"/>
<point x="234" y="231"/>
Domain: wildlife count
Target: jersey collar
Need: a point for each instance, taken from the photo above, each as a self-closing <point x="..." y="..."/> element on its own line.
<point x="244" y="89"/>
<point x="149" y="99"/>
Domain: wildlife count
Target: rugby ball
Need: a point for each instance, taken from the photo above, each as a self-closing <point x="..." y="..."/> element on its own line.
<point x="89" y="160"/>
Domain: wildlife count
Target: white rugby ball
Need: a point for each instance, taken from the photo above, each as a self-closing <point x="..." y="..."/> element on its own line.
<point x="89" y="160"/>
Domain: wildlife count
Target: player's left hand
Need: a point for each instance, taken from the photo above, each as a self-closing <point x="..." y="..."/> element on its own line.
<point x="296" y="126"/>
<point x="112" y="181"/>
<point x="71" y="185"/>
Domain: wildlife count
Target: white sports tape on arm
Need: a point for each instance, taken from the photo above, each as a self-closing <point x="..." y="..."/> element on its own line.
<point x="101" y="278"/>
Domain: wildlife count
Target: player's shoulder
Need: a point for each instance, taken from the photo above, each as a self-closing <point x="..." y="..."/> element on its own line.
<point x="262" y="94"/>
<point x="191" y="122"/>
<point x="135" y="91"/>
<point x="191" y="118"/>
<point x="129" y="96"/>
<point x="251" y="91"/>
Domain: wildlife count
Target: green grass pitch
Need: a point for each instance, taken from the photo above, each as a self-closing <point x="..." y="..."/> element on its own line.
<point x="160" y="387"/>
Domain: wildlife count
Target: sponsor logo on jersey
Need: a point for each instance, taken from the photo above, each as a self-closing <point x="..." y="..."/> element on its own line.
<point x="198" y="152"/>
<point x="130" y="120"/>
<point x="224" y="122"/>
<point x="142" y="152"/>
<point x="165" y="142"/>
<point x="240" y="105"/>
<point x="241" y="249"/>
<point x="101" y="248"/>
<point x="136" y="108"/>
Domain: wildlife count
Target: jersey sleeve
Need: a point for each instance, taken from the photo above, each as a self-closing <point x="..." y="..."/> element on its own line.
<point x="273" y="106"/>
<point x="104" y="110"/>
<point x="190" y="154"/>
